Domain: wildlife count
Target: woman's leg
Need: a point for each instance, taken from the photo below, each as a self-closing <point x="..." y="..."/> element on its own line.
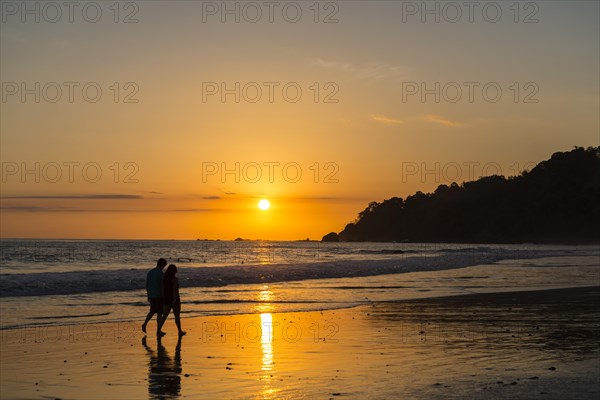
<point x="166" y="310"/>
<point x="176" y="313"/>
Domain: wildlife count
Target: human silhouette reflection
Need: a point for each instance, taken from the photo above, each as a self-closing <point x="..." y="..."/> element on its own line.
<point x="164" y="372"/>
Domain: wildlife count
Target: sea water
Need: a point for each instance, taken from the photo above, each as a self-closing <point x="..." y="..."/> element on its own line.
<point x="50" y="282"/>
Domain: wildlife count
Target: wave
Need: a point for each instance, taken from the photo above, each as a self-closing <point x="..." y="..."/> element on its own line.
<point x="386" y="251"/>
<point x="70" y="316"/>
<point x="92" y="281"/>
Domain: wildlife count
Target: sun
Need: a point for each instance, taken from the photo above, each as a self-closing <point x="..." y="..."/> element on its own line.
<point x="264" y="204"/>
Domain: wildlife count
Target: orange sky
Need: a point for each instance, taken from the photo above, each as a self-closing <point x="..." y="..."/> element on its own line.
<point x="162" y="131"/>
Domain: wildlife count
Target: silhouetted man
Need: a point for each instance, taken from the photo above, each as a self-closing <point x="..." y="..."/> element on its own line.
<point x="155" y="295"/>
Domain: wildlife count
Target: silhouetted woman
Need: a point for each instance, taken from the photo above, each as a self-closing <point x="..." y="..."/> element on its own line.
<point x="171" y="298"/>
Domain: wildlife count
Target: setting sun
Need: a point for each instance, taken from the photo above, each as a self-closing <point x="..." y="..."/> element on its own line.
<point x="264" y="204"/>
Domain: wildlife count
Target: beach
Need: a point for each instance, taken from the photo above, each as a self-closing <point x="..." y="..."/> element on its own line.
<point x="530" y="344"/>
<point x="332" y="199"/>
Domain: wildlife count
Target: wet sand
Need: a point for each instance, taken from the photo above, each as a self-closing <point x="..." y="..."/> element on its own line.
<point x="543" y="344"/>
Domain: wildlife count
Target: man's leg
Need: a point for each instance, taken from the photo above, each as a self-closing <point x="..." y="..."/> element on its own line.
<point x="148" y="318"/>
<point x="155" y="308"/>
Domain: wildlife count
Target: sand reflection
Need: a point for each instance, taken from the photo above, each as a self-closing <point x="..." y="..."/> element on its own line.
<point x="265" y="296"/>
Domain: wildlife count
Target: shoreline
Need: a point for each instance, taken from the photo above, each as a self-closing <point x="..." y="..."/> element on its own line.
<point x="527" y="344"/>
<point x="567" y="243"/>
<point x="424" y="299"/>
<point x="90" y="281"/>
<point x="490" y="296"/>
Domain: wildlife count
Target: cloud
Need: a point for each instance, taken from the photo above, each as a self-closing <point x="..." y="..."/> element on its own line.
<point x="77" y="197"/>
<point x="300" y="198"/>
<point x="370" y="71"/>
<point x="382" y="119"/>
<point x="36" y="209"/>
<point x="27" y="208"/>
<point x="436" y="119"/>
<point x="23" y="208"/>
<point x="344" y="67"/>
<point x="212" y="198"/>
<point x="322" y="198"/>
<point x="190" y="210"/>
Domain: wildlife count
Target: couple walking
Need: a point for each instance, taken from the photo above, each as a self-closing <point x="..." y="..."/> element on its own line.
<point x="163" y="295"/>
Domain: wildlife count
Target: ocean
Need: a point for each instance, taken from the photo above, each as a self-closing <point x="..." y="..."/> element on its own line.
<point x="50" y="282"/>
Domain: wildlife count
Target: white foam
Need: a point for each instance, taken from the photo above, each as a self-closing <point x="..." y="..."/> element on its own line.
<point x="91" y="281"/>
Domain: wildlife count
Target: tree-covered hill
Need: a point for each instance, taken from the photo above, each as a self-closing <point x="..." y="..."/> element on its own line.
<point x="558" y="201"/>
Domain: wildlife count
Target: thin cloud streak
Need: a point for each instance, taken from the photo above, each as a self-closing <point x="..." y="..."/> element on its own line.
<point x="38" y="209"/>
<point x="77" y="197"/>
<point x="373" y="71"/>
<point x="436" y="119"/>
<point x="382" y="119"/>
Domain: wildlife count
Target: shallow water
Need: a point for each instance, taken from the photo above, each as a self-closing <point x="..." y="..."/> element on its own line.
<point x="308" y="294"/>
<point x="50" y="282"/>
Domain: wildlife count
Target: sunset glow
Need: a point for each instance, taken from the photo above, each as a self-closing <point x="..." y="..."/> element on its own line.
<point x="325" y="118"/>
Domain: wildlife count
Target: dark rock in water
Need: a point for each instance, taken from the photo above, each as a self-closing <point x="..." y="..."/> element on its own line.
<point x="552" y="368"/>
<point x="534" y="377"/>
<point x="331" y="237"/>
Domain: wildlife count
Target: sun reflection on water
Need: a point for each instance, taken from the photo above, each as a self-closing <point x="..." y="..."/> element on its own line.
<point x="266" y="342"/>
<point x="265" y="297"/>
<point x="264" y="253"/>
